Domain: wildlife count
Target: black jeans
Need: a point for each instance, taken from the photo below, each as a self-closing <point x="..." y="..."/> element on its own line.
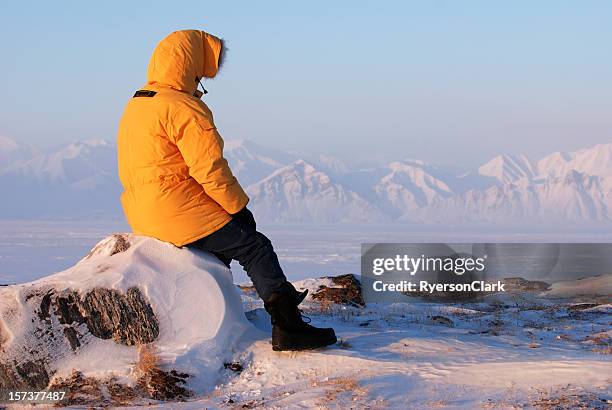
<point x="252" y="249"/>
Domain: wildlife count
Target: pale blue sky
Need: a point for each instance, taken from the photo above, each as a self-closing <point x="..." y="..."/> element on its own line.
<point x="453" y="82"/>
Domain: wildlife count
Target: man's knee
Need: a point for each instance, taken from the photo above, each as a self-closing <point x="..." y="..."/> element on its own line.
<point x="263" y="239"/>
<point x="257" y="245"/>
<point x="261" y="243"/>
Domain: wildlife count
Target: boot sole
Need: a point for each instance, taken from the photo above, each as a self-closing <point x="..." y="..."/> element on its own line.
<point x="298" y="347"/>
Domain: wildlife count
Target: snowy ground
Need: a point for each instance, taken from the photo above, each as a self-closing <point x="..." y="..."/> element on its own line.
<point x="518" y="352"/>
<point x="31" y="249"/>
<point x="523" y="352"/>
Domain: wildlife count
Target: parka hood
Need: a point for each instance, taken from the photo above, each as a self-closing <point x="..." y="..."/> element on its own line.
<point x="182" y="56"/>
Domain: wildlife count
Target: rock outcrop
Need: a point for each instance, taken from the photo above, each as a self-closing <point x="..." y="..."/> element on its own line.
<point x="344" y="290"/>
<point x="84" y="329"/>
<point x="520" y="285"/>
<point x="65" y="318"/>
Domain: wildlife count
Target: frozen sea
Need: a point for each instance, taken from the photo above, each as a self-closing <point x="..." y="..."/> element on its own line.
<point x="30" y="249"/>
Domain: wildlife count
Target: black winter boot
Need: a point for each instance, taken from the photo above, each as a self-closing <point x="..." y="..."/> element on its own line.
<point x="289" y="331"/>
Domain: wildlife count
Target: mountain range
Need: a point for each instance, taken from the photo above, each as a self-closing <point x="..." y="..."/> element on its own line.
<point x="80" y="179"/>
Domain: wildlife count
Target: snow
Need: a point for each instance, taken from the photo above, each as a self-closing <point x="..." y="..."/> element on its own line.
<point x="592" y="161"/>
<point x="72" y="162"/>
<point x="409" y="186"/>
<point x="395" y="356"/>
<point x="498" y="353"/>
<point x="509" y="168"/>
<point x="313" y="285"/>
<point x="301" y="192"/>
<point x="192" y="294"/>
<point x="35" y="248"/>
<point x="251" y="162"/>
<point x="509" y="189"/>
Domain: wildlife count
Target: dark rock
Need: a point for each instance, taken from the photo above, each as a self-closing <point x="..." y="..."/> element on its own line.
<point x="127" y="319"/>
<point x="120" y="242"/>
<point x="105" y="313"/>
<point x="233" y="366"/>
<point x="45" y="304"/>
<point x="348" y="291"/>
<point x="441" y="320"/>
<point x="67" y="308"/>
<point x="72" y="337"/>
<point x="248" y="289"/>
<point x="161" y="385"/>
<point x="581" y="306"/>
<point x="10" y="379"/>
<point x="34" y="372"/>
<point x="519" y="285"/>
<point x="88" y="391"/>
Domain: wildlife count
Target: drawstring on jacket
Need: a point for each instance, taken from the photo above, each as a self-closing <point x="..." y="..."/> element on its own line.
<point x="202" y="85"/>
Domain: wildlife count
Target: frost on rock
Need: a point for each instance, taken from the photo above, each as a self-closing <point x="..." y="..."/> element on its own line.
<point x="87" y="326"/>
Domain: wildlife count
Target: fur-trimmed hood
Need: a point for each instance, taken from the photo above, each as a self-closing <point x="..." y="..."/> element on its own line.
<point x="184" y="56"/>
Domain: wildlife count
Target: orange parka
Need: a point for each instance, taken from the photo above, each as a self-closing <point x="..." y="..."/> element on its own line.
<point x="177" y="185"/>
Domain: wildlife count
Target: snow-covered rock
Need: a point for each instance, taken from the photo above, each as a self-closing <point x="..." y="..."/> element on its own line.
<point x="341" y="290"/>
<point x="128" y="292"/>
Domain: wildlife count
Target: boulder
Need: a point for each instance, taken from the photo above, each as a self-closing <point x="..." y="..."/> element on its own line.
<point x="521" y="285"/>
<point x="89" y="325"/>
<point x="343" y="290"/>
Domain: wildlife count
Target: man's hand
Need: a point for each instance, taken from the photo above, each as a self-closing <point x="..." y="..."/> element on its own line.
<point x="246" y="218"/>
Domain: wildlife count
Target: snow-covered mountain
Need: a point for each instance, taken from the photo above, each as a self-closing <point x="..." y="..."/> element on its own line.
<point x="573" y="197"/>
<point x="571" y="187"/>
<point x="79" y="163"/>
<point x="76" y="179"/>
<point x="251" y="162"/>
<point x="408" y="186"/>
<point x="289" y="187"/>
<point x="509" y="168"/>
<point x="300" y="192"/>
<point x="12" y="152"/>
<point x="590" y="161"/>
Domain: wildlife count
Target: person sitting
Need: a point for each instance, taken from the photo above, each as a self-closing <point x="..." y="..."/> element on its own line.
<point x="179" y="188"/>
